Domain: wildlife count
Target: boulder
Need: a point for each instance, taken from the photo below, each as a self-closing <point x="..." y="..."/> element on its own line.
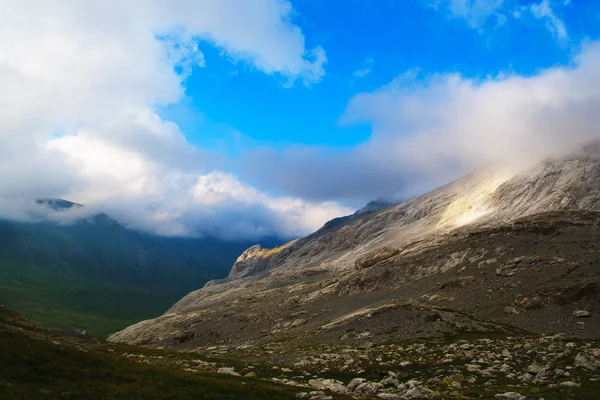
<point x="588" y="359"/>
<point x="332" y="385"/>
<point x="227" y="371"/>
<point x="354" y="383"/>
<point x="418" y="393"/>
<point x="511" y="396"/>
<point x="581" y="314"/>
<point x="368" y="388"/>
<point x="538" y="369"/>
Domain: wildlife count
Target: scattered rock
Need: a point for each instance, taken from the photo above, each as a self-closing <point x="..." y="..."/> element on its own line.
<point x="511" y="310"/>
<point x="298" y="322"/>
<point x="581" y="314"/>
<point x="329" y="384"/>
<point x="227" y="371"/>
<point x="589" y="359"/>
<point x="570" y="384"/>
<point x="354" y="383"/>
<point x="511" y="396"/>
<point x="368" y="388"/>
<point x="538" y="369"/>
<point x="418" y="393"/>
<point x="530" y="302"/>
<point x="315" y="395"/>
<point x="513" y="266"/>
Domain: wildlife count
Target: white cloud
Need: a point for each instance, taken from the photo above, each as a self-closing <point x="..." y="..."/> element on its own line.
<point x="293" y="216"/>
<point x="555" y="25"/>
<point x="80" y="84"/>
<point x="429" y="130"/>
<point x="366" y="69"/>
<point x="503" y="120"/>
<point x="474" y="12"/>
<point x="477" y="12"/>
<point x="106" y="169"/>
<point x="169" y="200"/>
<point x="361" y="73"/>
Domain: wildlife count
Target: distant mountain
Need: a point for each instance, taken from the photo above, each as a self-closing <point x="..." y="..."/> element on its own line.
<point x="58" y="204"/>
<point x="98" y="276"/>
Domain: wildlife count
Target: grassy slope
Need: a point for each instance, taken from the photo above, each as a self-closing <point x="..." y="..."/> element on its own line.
<point x="79" y="303"/>
<point x="35" y="364"/>
<point x="99" y="276"/>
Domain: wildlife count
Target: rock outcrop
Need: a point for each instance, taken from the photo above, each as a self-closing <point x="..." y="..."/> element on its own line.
<point x="250" y="262"/>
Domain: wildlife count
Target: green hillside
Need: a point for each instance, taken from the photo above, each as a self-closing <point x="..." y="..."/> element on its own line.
<point x="100" y="277"/>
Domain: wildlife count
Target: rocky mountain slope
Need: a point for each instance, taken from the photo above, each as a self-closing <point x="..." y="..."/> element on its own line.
<point x="494" y="253"/>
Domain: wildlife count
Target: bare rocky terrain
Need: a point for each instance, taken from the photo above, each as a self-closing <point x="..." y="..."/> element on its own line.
<point x="487" y="287"/>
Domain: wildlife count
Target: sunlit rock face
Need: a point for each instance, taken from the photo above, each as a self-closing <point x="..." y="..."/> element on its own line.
<point x="474" y="200"/>
<point x="255" y="259"/>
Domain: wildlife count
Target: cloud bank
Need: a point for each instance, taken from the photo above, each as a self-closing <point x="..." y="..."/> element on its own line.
<point x="81" y="83"/>
<point x="428" y="130"/>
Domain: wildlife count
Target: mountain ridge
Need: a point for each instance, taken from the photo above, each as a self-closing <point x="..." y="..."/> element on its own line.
<point x="570" y="182"/>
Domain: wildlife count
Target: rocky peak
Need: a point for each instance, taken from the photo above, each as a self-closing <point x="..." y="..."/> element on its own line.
<point x="256" y="259"/>
<point x="58" y="204"/>
<point x="375" y="205"/>
<point x="247" y="262"/>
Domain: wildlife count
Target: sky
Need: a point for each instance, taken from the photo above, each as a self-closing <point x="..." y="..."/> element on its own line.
<point x="245" y="118"/>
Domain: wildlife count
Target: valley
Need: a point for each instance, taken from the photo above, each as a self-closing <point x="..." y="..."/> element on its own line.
<point x="95" y="275"/>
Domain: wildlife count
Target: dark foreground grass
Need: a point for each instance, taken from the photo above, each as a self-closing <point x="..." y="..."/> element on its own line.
<point x="36" y="367"/>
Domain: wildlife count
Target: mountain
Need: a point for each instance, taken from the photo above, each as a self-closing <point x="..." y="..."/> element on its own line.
<point x="488" y="287"/>
<point x="494" y="252"/>
<point x="57" y="204"/>
<point x="98" y="276"/>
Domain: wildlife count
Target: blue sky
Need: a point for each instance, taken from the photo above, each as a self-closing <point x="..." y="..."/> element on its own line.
<point x="368" y="44"/>
<point x="246" y="118"/>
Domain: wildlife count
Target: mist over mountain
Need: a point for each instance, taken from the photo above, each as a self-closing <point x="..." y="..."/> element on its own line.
<point x="94" y="274"/>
